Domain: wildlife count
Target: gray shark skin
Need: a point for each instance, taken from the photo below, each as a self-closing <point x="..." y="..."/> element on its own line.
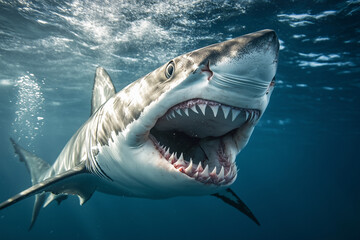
<point x="174" y="132"/>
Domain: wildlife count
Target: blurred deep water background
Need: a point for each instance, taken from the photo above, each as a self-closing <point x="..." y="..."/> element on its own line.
<point x="300" y="173"/>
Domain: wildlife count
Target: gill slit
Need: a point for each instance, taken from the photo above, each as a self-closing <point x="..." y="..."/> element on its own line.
<point x="94" y="166"/>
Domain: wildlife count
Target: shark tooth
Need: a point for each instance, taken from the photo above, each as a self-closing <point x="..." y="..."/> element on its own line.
<point x="205" y="173"/>
<point x="232" y="172"/>
<point x="162" y="148"/>
<point x="221" y="182"/>
<point x="181" y="157"/>
<point x="188" y="170"/>
<point x="235" y="113"/>
<point x="172" y="158"/>
<point x="173" y="114"/>
<point x="202" y="108"/>
<point x="226" y="111"/>
<point x="194" y="109"/>
<point x="228" y="174"/>
<point x="186" y="111"/>
<point x="252" y="116"/>
<point x="221" y="173"/>
<point x="196" y="175"/>
<point x="199" y="168"/>
<point x="246" y="115"/>
<point x="213" y="173"/>
<point x="215" y="109"/>
<point x="178" y="111"/>
<point x="167" y="153"/>
<point x="180" y="162"/>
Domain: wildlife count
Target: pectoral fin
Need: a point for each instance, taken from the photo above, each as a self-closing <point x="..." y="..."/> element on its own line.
<point x="232" y="199"/>
<point x="56" y="184"/>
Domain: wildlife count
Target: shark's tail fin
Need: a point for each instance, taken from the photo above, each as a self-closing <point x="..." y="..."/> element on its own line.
<point x="36" y="166"/>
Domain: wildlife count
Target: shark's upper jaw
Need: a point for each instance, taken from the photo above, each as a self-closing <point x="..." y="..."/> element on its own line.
<point x="197" y="138"/>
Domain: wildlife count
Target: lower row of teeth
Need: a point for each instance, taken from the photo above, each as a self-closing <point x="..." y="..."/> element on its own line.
<point x="197" y="171"/>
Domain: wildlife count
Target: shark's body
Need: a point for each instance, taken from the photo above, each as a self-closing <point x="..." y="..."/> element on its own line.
<point x="174" y="132"/>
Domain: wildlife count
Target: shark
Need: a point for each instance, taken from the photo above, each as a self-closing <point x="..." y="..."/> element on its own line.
<point x="175" y="132"/>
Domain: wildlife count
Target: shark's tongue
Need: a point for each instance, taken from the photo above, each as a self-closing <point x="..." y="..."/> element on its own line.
<point x="201" y="118"/>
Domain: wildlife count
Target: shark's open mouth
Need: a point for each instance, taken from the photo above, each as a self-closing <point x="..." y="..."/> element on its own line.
<point x="195" y="137"/>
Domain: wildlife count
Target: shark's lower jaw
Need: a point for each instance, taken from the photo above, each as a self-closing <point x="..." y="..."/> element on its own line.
<point x="197" y="138"/>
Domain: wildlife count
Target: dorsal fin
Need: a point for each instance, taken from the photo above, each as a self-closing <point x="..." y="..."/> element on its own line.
<point x="103" y="89"/>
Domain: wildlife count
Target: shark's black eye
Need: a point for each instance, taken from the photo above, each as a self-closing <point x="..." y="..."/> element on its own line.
<point x="169" y="70"/>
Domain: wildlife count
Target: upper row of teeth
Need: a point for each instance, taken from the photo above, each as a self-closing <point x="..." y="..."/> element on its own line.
<point x="197" y="171"/>
<point x="215" y="110"/>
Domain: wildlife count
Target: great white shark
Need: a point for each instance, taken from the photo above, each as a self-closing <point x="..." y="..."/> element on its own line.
<point x="174" y="132"/>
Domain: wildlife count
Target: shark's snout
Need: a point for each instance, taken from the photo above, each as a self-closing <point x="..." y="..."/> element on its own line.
<point x="250" y="65"/>
<point x="265" y="39"/>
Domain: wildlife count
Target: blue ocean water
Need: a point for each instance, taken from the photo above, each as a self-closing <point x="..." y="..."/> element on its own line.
<point x="299" y="174"/>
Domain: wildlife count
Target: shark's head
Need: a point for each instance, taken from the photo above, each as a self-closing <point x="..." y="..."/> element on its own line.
<point x="178" y="130"/>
